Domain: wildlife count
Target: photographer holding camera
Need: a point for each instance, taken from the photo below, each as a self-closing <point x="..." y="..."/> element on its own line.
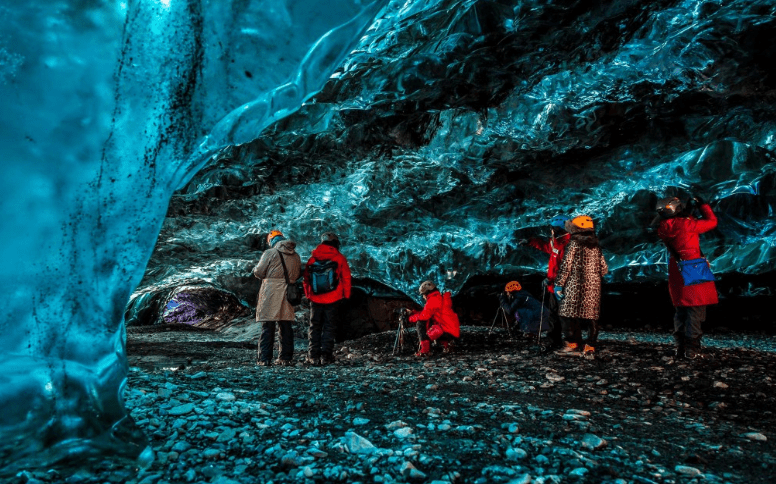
<point x="436" y="321"/>
<point x="526" y="309"/>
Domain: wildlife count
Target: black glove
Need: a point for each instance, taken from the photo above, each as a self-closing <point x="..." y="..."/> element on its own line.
<point x="546" y="282"/>
<point x="522" y="242"/>
<point x="502" y="297"/>
<point x="698" y="200"/>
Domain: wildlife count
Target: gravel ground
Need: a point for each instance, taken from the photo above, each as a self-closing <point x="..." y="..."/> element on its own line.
<point x="493" y="411"/>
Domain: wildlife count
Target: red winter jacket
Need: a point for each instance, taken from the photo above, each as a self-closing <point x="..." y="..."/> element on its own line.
<point x="555" y="247"/>
<point x="681" y="233"/>
<point x="342" y="291"/>
<point x="439" y="310"/>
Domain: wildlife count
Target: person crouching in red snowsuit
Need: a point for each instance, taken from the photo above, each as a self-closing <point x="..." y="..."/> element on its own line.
<point x="679" y="231"/>
<point x="437" y="320"/>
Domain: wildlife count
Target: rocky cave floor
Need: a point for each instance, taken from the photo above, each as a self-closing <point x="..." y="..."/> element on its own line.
<point x="493" y="411"/>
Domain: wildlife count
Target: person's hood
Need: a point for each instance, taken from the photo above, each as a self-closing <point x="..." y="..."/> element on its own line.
<point x="585" y="239"/>
<point x="286" y="246"/>
<point x="323" y="252"/>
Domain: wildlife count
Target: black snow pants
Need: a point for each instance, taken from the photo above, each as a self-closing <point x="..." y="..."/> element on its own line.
<point x="324" y="319"/>
<point x="267" y="341"/>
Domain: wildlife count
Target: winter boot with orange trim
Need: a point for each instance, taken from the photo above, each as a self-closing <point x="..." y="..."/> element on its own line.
<point x="588" y="352"/>
<point x="569" y="348"/>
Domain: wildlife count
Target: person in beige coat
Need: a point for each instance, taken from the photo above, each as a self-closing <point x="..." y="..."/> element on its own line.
<point x="272" y="307"/>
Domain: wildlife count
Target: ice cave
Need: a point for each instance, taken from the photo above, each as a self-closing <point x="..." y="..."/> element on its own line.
<point x="149" y="147"/>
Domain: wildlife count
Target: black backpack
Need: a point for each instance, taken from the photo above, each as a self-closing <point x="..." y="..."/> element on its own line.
<point x="323" y="276"/>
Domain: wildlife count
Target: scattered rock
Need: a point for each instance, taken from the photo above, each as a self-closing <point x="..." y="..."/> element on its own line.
<point x="756" y="436"/>
<point x="687" y="471"/>
<point x="592" y="442"/>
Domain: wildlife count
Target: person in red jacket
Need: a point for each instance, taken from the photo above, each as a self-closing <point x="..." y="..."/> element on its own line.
<point x="325" y="297"/>
<point x="436" y="321"/>
<point x="679" y="230"/>
<point x="555" y="246"/>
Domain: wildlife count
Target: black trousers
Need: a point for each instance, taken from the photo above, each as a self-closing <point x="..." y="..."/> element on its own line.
<point x="267" y="340"/>
<point x="572" y="327"/>
<point x="324" y="319"/>
<point x="687" y="324"/>
<point x="556" y="327"/>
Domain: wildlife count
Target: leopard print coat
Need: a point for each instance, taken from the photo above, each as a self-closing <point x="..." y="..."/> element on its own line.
<point x="580" y="273"/>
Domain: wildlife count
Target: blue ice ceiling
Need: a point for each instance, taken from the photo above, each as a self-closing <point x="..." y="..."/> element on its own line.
<point x="431" y="135"/>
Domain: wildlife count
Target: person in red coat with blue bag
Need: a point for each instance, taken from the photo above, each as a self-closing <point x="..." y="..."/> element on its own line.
<point x="327" y="283"/>
<point x="436" y="321"/>
<point x="692" y="288"/>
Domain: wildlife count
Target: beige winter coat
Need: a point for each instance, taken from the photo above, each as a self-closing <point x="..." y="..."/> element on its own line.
<point x="272" y="304"/>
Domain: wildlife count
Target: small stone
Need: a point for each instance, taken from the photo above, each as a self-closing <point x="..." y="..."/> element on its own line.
<point x="555" y="377"/>
<point x="198" y="375"/>
<point x="575" y="411"/>
<point x="719" y="384"/>
<point x="592" y="442"/>
<point x="357" y="444"/>
<point x="687" y="471"/>
<point x="755" y="436"/>
<point x="226" y="397"/>
<point x="182" y="409"/>
<point x="579" y="472"/>
<point x="403" y="432"/>
<point x="516" y="454"/>
<point x="409" y="471"/>
<point x="360" y="421"/>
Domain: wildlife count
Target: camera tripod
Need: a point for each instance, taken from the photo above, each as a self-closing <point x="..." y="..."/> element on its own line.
<point x="398" y="344"/>
<point x="504" y="321"/>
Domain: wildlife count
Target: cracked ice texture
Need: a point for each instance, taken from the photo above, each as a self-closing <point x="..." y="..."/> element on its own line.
<point x="456" y="128"/>
<point x="108" y="107"/>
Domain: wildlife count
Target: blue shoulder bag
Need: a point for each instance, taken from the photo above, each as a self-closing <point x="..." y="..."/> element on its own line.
<point x="693" y="271"/>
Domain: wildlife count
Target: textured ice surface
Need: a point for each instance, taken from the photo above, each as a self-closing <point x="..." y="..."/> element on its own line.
<point x="456" y="128"/>
<point x="107" y="108"/>
<point x="451" y="130"/>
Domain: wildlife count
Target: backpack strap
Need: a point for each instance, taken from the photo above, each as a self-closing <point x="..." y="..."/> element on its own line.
<point x="285" y="271"/>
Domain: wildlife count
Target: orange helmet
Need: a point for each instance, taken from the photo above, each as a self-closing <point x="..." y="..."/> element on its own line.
<point x="513" y="286"/>
<point x="583" y="222"/>
<point x="273" y="234"/>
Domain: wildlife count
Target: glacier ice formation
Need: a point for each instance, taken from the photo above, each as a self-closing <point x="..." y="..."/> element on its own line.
<point x="432" y="135"/>
<point x="109" y="107"/>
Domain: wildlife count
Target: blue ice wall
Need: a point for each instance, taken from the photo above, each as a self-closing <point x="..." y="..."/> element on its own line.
<point x="457" y="128"/>
<point x="108" y="107"/>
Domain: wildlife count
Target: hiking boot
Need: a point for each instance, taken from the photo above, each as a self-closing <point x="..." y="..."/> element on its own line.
<point x="447" y="347"/>
<point x="264" y="363"/>
<point x="310" y="361"/>
<point x="569" y="348"/>
<point x="679" y="352"/>
<point x="588" y="352"/>
<point x="280" y="362"/>
<point x="424" y="350"/>
<point x="692" y="353"/>
<point x="327" y="360"/>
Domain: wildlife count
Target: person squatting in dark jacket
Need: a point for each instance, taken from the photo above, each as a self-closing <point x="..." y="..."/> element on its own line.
<point x="679" y="231"/>
<point x="578" y="285"/>
<point x="326" y="307"/>
<point x="555" y="247"/>
<point x="272" y="306"/>
<point x="436" y="321"/>
<point x="526" y="309"/>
